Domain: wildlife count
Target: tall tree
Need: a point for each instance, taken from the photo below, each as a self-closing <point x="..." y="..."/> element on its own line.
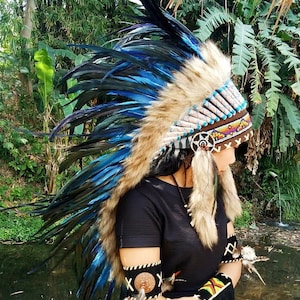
<point x="28" y="19"/>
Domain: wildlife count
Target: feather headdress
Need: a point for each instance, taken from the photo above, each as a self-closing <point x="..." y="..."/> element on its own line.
<point x="157" y="89"/>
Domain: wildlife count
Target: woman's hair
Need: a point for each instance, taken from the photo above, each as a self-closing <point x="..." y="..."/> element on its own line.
<point x="169" y="161"/>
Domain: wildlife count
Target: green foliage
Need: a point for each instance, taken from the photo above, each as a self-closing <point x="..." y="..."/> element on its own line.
<point x="11" y="24"/>
<point x="258" y="112"/>
<point x="286" y="124"/>
<point x="30" y="101"/>
<point x="45" y="74"/>
<point x="287" y="192"/>
<point x="262" y="190"/>
<point x="79" y="22"/>
<point x="18" y="226"/>
<point x="247" y="218"/>
<point x="21" y="152"/>
<point x="265" y="60"/>
<point x="292" y="112"/>
<point x="8" y="65"/>
<point x="242" y="47"/>
<point x="213" y="17"/>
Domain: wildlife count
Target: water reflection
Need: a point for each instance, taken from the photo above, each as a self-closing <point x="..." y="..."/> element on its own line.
<point x="281" y="274"/>
<point x="17" y="260"/>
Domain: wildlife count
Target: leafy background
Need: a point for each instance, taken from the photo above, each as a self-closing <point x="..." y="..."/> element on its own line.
<point x="36" y="49"/>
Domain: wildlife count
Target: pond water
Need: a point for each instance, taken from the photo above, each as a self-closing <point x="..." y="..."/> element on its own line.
<point x="281" y="274"/>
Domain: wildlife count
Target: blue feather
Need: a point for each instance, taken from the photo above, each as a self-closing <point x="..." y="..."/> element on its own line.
<point x="121" y="83"/>
<point x="103" y="278"/>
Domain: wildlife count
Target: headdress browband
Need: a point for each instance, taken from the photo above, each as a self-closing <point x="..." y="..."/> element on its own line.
<point x="222" y="115"/>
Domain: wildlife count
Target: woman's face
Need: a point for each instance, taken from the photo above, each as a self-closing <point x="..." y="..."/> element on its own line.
<point x="224" y="158"/>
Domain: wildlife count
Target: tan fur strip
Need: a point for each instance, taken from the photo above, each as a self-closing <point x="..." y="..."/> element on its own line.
<point x="202" y="200"/>
<point x="231" y="199"/>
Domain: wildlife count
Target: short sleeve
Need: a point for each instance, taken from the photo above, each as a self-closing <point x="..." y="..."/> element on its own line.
<point x="138" y="223"/>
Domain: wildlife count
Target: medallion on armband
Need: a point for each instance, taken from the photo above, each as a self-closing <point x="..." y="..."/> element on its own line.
<point x="143" y="281"/>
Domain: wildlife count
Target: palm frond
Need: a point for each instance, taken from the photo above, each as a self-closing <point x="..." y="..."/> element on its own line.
<point x="292" y="112"/>
<point x="272" y="103"/>
<point x="291" y="59"/>
<point x="271" y="76"/>
<point x="243" y="38"/>
<point x="296" y="86"/>
<point x="258" y="113"/>
<point x="255" y="80"/>
<point x="213" y="18"/>
<point x="293" y="30"/>
<point x="286" y="133"/>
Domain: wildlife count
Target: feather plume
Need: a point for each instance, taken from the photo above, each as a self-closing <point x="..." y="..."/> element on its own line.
<point x="154" y="73"/>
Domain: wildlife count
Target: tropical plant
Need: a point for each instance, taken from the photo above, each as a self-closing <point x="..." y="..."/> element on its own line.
<point x="276" y="185"/>
<point x="266" y="65"/>
<point x="51" y="100"/>
<point x="262" y="37"/>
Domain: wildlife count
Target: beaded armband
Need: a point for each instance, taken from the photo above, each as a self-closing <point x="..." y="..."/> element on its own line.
<point x="143" y="281"/>
<point x="218" y="287"/>
<point x="232" y="252"/>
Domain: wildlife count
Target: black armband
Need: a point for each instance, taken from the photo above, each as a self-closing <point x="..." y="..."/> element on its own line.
<point x="232" y="252"/>
<point x="143" y="281"/>
<point x="218" y="287"/>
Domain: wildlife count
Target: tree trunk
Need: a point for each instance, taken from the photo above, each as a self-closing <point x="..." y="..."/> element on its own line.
<point x="28" y="20"/>
<point x="26" y="34"/>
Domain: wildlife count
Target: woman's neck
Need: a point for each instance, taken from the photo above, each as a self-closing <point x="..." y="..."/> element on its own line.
<point x="183" y="177"/>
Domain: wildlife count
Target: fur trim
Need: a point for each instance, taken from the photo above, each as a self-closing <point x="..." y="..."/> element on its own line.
<point x="231" y="199"/>
<point x="192" y="84"/>
<point x="203" y="199"/>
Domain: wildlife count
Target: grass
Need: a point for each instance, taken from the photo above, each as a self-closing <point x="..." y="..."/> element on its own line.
<point x="18" y="227"/>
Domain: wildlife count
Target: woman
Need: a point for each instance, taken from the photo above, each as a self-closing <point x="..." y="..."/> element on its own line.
<point x="156" y="211"/>
<point x="153" y="228"/>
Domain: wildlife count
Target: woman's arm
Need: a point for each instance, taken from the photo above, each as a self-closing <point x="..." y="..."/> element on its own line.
<point x="221" y="285"/>
<point x="139" y="256"/>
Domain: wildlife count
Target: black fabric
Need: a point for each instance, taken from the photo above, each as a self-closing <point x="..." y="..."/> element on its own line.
<point x="232" y="253"/>
<point x="152" y="215"/>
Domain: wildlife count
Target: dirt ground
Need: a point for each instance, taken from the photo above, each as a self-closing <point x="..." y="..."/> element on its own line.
<point x="263" y="233"/>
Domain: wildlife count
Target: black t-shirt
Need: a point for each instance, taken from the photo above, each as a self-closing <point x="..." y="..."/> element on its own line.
<point x="153" y="215"/>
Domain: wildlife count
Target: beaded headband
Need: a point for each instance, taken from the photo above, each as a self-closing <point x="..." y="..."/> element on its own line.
<point x="222" y="116"/>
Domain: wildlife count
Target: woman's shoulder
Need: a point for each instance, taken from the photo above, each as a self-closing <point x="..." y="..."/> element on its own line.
<point x="149" y="184"/>
<point x="148" y="192"/>
<point x="140" y="202"/>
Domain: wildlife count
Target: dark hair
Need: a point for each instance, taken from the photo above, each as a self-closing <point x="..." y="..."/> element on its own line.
<point x="169" y="161"/>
